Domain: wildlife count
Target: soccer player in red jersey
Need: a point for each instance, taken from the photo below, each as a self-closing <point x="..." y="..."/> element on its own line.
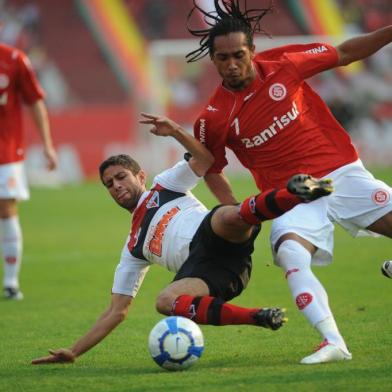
<point x="276" y="125"/>
<point x="18" y="85"/>
<point x="209" y="251"/>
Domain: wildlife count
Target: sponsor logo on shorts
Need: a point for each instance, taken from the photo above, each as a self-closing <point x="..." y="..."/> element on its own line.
<point x="303" y="300"/>
<point x="277" y="91"/>
<point x="380" y="197"/>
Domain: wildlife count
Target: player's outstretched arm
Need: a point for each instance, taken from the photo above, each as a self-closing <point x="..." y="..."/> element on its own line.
<point x="363" y="46"/>
<point x="201" y="159"/>
<point x="109" y="320"/>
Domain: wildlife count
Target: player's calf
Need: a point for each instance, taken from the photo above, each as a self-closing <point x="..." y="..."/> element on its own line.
<point x="273" y="203"/>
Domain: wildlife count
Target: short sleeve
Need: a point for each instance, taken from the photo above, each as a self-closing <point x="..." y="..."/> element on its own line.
<point x="130" y="273"/>
<point x="214" y="141"/>
<point x="179" y="178"/>
<point x="313" y="59"/>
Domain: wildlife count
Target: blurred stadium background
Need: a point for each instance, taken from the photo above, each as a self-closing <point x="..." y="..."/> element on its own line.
<point x="101" y="62"/>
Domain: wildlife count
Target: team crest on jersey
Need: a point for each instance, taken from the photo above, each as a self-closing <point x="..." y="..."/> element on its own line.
<point x="154" y="201"/>
<point x="380" y="197"/>
<point x="277" y="91"/>
<point x="4" y="81"/>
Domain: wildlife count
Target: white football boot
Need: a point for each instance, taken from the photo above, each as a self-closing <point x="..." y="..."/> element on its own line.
<point x="12" y="294"/>
<point x="326" y="352"/>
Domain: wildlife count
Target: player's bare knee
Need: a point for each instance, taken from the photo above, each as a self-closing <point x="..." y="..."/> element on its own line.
<point x="229" y="216"/>
<point x="289" y="237"/>
<point x="291" y="255"/>
<point x="383" y="225"/>
<point x="164" y="303"/>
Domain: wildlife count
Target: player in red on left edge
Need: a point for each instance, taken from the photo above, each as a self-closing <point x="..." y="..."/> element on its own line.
<point x="18" y="86"/>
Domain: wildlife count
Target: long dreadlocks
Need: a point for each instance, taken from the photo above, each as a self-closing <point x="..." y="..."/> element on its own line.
<point x="227" y="18"/>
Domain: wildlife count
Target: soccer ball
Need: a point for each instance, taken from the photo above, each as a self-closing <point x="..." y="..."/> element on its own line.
<point x="176" y="343"/>
<point x="386" y="268"/>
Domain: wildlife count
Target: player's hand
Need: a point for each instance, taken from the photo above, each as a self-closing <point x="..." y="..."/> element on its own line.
<point x="161" y="126"/>
<point x="51" y="158"/>
<point x="61" y="355"/>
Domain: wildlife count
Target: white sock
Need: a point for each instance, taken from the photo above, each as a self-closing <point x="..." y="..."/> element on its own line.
<point x="11" y="244"/>
<point x="329" y="330"/>
<point x="310" y="296"/>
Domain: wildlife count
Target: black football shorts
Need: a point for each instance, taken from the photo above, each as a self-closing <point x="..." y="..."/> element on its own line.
<point x="224" y="266"/>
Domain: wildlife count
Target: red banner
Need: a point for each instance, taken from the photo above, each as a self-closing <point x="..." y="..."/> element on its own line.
<point x="88" y="132"/>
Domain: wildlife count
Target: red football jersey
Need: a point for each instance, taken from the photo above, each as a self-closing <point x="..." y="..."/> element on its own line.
<point x="17" y="84"/>
<point x="278" y="126"/>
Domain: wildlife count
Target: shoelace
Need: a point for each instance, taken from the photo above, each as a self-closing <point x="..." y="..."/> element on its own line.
<point x="321" y="345"/>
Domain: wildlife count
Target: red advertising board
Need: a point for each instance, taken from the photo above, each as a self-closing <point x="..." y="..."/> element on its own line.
<point x="88" y="131"/>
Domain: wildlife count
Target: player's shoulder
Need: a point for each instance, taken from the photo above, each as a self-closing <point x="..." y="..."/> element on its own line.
<point x="217" y="104"/>
<point x="279" y="53"/>
<point x="9" y="52"/>
<point x="174" y="178"/>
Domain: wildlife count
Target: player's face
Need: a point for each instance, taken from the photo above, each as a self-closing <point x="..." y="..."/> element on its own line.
<point x="125" y="187"/>
<point x="233" y="60"/>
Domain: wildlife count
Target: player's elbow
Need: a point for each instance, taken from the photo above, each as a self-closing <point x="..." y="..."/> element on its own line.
<point x="210" y="159"/>
<point x="345" y="57"/>
<point x="201" y="166"/>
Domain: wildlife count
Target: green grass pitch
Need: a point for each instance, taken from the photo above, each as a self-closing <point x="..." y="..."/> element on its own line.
<point x="73" y="237"/>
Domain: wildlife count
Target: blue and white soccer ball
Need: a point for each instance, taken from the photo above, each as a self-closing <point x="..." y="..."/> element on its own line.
<point x="176" y="343"/>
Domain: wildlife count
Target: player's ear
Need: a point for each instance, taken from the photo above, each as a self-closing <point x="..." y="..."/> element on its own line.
<point x="252" y="51"/>
<point x="142" y="177"/>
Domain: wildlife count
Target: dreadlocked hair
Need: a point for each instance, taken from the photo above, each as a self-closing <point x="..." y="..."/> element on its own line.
<point x="227" y="18"/>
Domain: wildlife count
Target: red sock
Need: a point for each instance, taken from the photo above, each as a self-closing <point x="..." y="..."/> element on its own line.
<point x="212" y="311"/>
<point x="234" y="315"/>
<point x="267" y="205"/>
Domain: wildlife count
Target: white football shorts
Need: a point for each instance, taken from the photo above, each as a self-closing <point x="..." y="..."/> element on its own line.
<point x="358" y="201"/>
<point x="13" y="181"/>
